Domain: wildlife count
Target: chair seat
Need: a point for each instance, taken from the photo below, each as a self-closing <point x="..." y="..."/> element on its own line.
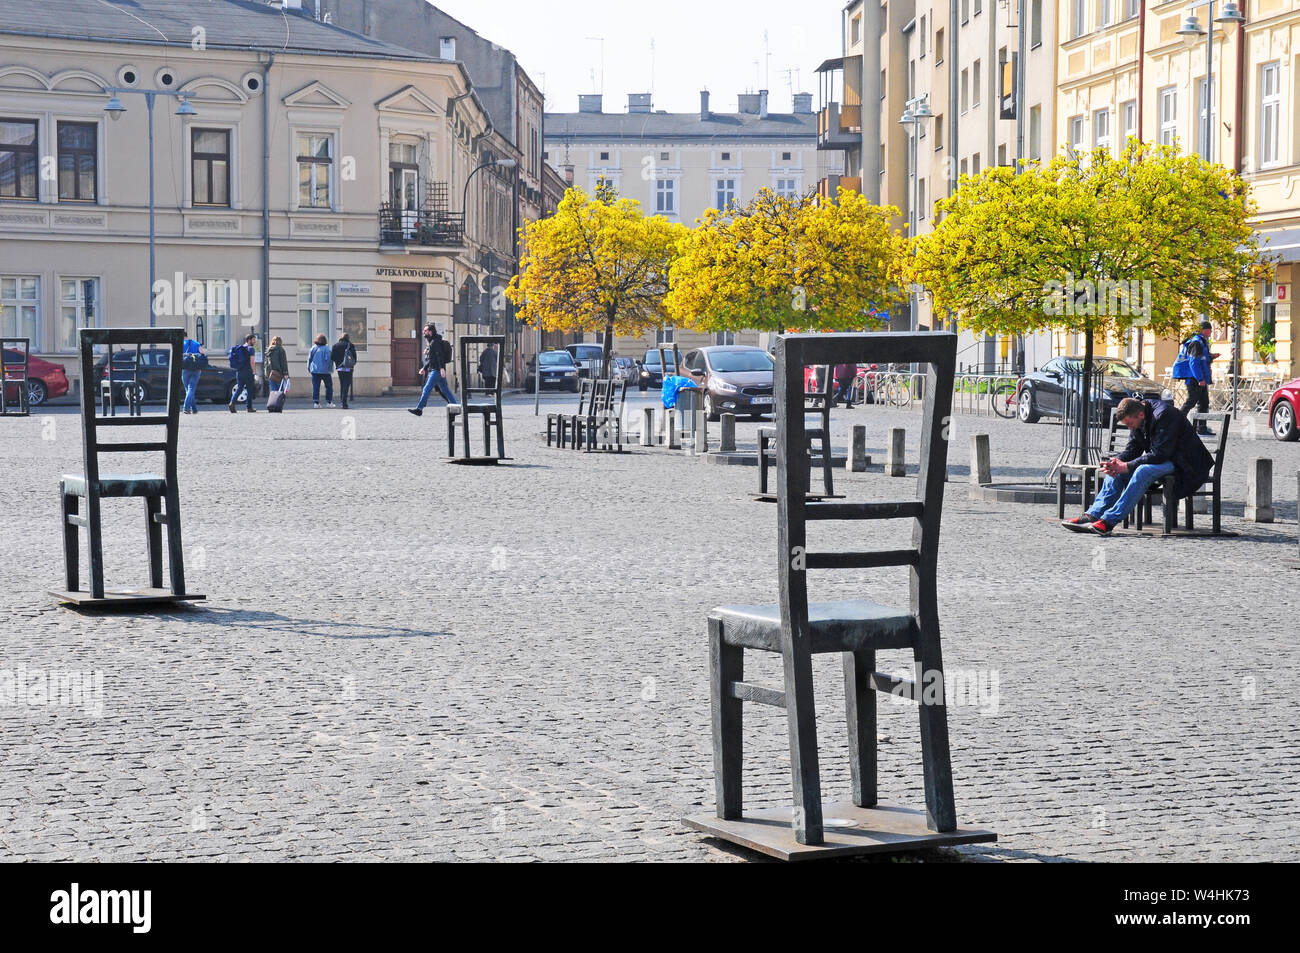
<point x="117" y="484"/>
<point x="472" y="406"/>
<point x="847" y="626"/>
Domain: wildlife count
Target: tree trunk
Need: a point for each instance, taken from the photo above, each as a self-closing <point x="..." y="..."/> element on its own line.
<point x="1085" y="399"/>
<point x="606" y="355"/>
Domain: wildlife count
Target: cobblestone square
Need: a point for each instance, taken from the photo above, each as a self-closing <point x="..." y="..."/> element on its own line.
<point x="404" y="659"/>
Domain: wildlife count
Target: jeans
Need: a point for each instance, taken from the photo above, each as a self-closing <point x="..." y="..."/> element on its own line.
<point x="190" y="381"/>
<point x="434" y="378"/>
<point x="345" y="386"/>
<point x="243" y="382"/>
<point x="1120" y="495"/>
<point x="316" y="380"/>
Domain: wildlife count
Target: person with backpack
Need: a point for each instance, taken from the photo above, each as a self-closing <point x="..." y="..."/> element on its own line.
<point x="487" y="366"/>
<point x="193" y="361"/>
<point x="344" y="356"/>
<point x="277" y="367"/>
<point x="241" y="359"/>
<point x="437" y="352"/>
<point x="1193" y="368"/>
<point x="321" y="366"/>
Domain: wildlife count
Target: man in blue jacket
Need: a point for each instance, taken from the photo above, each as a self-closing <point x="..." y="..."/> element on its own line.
<point x="1161" y="445"/>
<point x="1193" y="367"/>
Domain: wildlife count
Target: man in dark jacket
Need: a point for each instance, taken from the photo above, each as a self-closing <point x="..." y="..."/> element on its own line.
<point x="241" y="359"/>
<point x="1193" y="368"/>
<point x="344" y="356"/>
<point x="1162" y="444"/>
<point x="432" y="371"/>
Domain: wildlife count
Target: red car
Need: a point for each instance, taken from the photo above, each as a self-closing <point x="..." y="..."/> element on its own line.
<point x="1284" y="411"/>
<point x="44" y="380"/>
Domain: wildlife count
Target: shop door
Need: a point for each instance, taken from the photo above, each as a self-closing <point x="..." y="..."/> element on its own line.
<point x="408" y="322"/>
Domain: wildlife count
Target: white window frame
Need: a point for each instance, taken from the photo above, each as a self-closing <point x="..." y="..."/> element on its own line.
<point x="1128" y="112"/>
<point x="1103" y="13"/>
<point x="672" y="206"/>
<point x="79" y="307"/>
<point x="975" y="84"/>
<point x="1270" y="114"/>
<point x="332" y="185"/>
<point x="1167" y="100"/>
<point x="1079" y="19"/>
<point x="1101" y="129"/>
<point x="314" y="308"/>
<point x="214" y="305"/>
<point x="232" y="130"/>
<point x="1074" y="134"/>
<point x="725" y="193"/>
<point x="1036" y="132"/>
<point x="19" y="303"/>
<point x="1204" y="91"/>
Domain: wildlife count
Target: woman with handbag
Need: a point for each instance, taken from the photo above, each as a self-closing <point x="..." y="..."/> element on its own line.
<point x="277" y="367"/>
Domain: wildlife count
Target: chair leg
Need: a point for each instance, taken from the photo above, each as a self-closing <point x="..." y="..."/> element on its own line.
<point x="71" y="543"/>
<point x="726" y="665"/>
<point x="501" y="435"/>
<point x="96" y="537"/>
<point x="1060" y="495"/>
<point x="1170" y="509"/>
<point x="828" y="479"/>
<point x="936" y="762"/>
<point x="451" y="435"/>
<point x="860" y="705"/>
<point x="153" y="532"/>
<point x="1216" y="515"/>
<point x="1189" y="511"/>
<point x="464" y="415"/>
<point x="762" y="463"/>
<point x="175" y="549"/>
<point x="801" y="720"/>
<point x="487" y="436"/>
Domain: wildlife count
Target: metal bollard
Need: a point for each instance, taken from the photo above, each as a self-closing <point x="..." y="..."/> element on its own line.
<point x="894" y="466"/>
<point x="728" y="433"/>
<point x="1259" y="490"/>
<point x="858" y="449"/>
<point x="647" y="427"/>
<point x="981" y="473"/>
<point x="674" y="431"/>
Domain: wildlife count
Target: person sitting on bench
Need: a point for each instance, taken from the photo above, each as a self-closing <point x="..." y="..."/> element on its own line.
<point x="1162" y="445"/>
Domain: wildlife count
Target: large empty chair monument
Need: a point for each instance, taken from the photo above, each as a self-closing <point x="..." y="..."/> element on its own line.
<point x="796" y="628"/>
<point x="480" y="396"/>
<point x="160" y="492"/>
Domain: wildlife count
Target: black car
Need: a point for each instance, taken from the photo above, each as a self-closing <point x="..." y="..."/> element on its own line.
<point x="1040" y="394"/>
<point x="216" y="381"/>
<point x="558" y="370"/>
<point x="737" y="379"/>
<point x="651" y="374"/>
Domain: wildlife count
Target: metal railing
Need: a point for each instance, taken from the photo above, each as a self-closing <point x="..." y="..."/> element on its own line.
<point x="979" y="394"/>
<point x="429" y="227"/>
<point x="1081" y="437"/>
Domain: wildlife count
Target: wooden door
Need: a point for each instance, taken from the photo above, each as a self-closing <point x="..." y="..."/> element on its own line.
<point x="408" y="322"/>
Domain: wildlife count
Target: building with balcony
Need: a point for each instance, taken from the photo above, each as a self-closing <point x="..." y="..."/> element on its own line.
<point x="348" y="217"/>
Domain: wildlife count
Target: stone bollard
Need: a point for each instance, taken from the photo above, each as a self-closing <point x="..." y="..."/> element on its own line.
<point x="981" y="473"/>
<point x="701" y="431"/>
<point x="648" y="427"/>
<point x="1259" y="490"/>
<point x="894" y="466"/>
<point x="858" y="449"/>
<point x="674" y="431"/>
<point x="728" y="433"/>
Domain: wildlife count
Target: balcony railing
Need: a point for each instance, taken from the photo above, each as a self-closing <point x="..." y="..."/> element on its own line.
<point x="427" y="227"/>
<point x="839" y="127"/>
<point x="828" y="188"/>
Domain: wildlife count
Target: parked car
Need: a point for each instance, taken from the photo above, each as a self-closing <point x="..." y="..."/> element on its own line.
<point x="558" y="370"/>
<point x="587" y="357"/>
<point x="625" y="369"/>
<point x="1040" y="394"/>
<point x="216" y="381"/>
<point x="45" y="379"/>
<point x="737" y="379"/>
<point x="651" y="374"/>
<point x="1284" y="411"/>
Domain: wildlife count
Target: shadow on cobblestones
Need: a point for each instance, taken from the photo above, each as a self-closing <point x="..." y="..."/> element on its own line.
<point x="318" y="628"/>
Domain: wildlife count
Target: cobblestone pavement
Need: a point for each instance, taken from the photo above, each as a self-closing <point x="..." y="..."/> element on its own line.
<point x="400" y="658"/>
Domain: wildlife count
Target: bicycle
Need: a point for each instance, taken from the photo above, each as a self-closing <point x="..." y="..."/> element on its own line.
<point x="1003" y="398"/>
<point x="894" y="388"/>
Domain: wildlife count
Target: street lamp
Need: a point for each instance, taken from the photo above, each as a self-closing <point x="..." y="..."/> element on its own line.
<point x="1191" y="30"/>
<point x="115" y="109"/>
<point x="915" y="112"/>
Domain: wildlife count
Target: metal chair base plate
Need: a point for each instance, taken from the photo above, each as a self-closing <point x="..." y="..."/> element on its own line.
<point x="479" y="461"/>
<point x="849" y="831"/>
<point x="123" y="597"/>
<point x="813" y="497"/>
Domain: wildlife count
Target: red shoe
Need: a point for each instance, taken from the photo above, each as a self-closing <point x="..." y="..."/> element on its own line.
<point x="1080" y="524"/>
<point x="1101" y="528"/>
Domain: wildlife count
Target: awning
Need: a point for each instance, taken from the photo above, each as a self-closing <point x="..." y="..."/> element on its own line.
<point x="1282" y="242"/>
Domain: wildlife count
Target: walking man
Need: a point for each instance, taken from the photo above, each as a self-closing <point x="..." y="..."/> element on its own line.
<point x="1193" y="367"/>
<point x="241" y="359"/>
<point x="193" y="360"/>
<point x="344" y="356"/>
<point x="435" y="359"/>
<point x="1162" y="444"/>
<point x="487" y="366"/>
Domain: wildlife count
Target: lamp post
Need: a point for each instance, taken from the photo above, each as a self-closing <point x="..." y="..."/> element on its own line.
<point x="115" y="109"/>
<point x="914" y="113"/>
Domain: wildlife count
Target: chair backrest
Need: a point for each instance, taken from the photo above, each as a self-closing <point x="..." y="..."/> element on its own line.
<point x="1116" y="438"/>
<point x="938" y="352"/>
<point x="472" y="347"/>
<point x="14" y="373"/>
<point x="1217" y="444"/>
<point x="131" y="340"/>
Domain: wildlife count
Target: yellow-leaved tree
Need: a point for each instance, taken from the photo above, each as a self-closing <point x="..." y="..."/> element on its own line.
<point x="597" y="264"/>
<point x="780" y="264"/>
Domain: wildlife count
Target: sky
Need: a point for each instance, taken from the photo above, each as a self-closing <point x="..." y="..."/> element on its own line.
<point x="717" y="45"/>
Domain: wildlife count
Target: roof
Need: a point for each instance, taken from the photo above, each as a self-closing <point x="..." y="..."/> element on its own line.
<point x="226" y="24"/>
<point x="658" y="125"/>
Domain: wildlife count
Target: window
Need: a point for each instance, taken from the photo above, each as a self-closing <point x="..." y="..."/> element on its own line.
<point x="663" y="157"/>
<point x="975" y="84"/>
<point x="214" y="309"/>
<point x="1130" y="9"/>
<point x="724" y="338"/>
<point x="664" y="336"/>
<point x="922" y="36"/>
<point x="1168" y="98"/>
<point x="20" y="303"/>
<point x="1204" y="100"/>
<point x="1035" y="23"/>
<point x="665" y="196"/>
<point x="962" y="168"/>
<point x="1002" y="154"/>
<point x="911" y="78"/>
<point x="938" y="132"/>
<point x="1036" y="132"/>
<point x="18" y="159"/>
<point x="1267" y="333"/>
<point x="1270" y="111"/>
<point x="78" y="308"/>
<point x="965" y="10"/>
<point x="315" y="165"/>
<point x="1101" y="129"/>
<point x="604" y="157"/>
<point x="1129" y="117"/>
<point x="314" y="311"/>
<point x="447" y="48"/>
<point x="882" y="84"/>
<point x="726" y="157"/>
<point x="787" y="188"/>
<point x="856" y="31"/>
<point x="1076" y="134"/>
<point x="210" y="162"/>
<point x="975" y="164"/>
<point x="884" y="18"/>
<point x="78" y="161"/>
<point x="1078" y="18"/>
<point x="938" y="47"/>
<point x="920" y="201"/>
<point x="1103" y="13"/>
<point x="965" y="88"/>
<point x="726" y="193"/>
<point x="786" y="156"/>
<point x="979" y="7"/>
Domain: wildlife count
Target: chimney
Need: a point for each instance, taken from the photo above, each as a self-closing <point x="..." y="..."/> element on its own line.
<point x="747" y="103"/>
<point x="704" y="105"/>
<point x="803" y="104"/>
<point x="590" y="103"/>
<point x="638" y="103"/>
<point x="762" y="104"/>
